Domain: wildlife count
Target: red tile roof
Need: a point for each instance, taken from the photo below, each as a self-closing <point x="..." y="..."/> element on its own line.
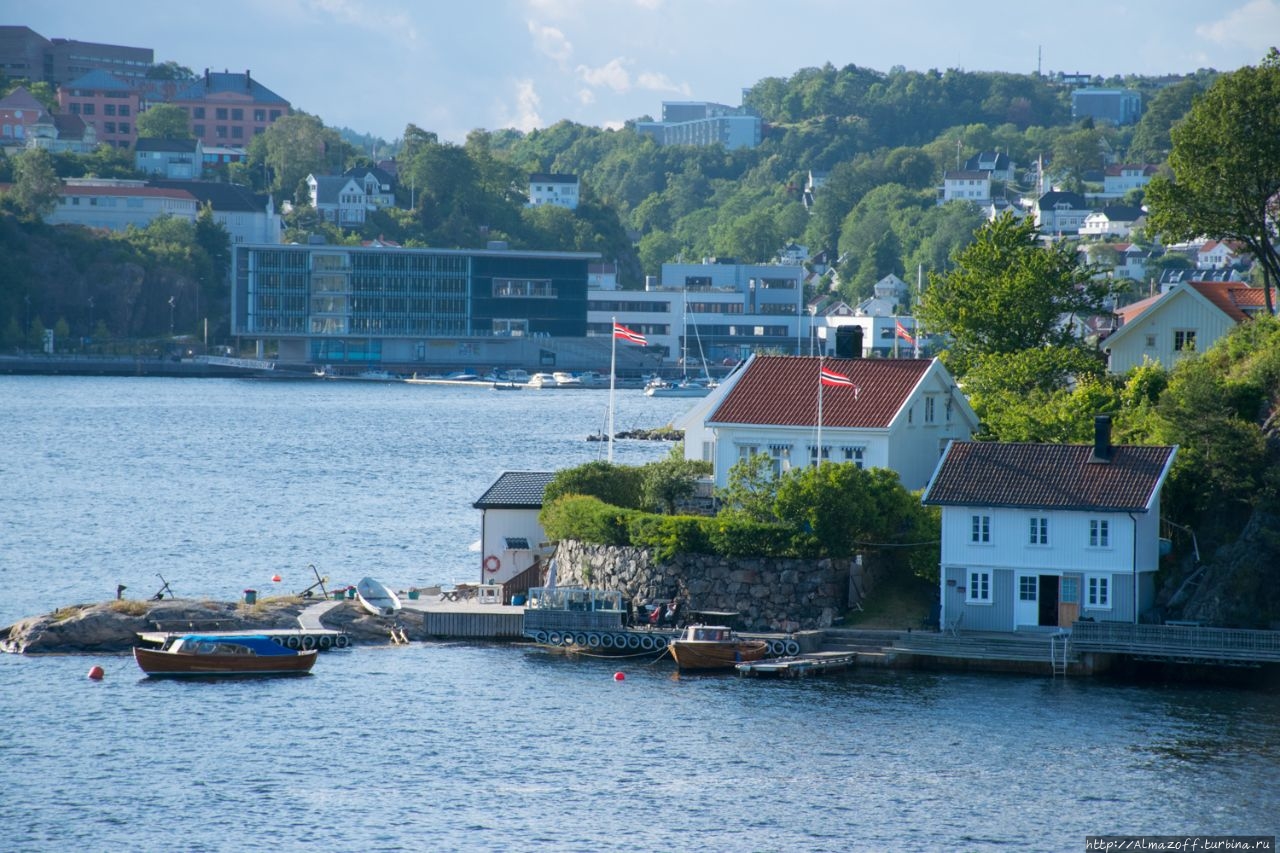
<point x="783" y="391"/>
<point x="1230" y="297"/>
<point x="1048" y="476"/>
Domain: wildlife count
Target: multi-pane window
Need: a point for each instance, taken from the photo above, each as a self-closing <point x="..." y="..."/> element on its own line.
<point x="1070" y="591"/>
<point x="1099" y="533"/>
<point x="813" y="453"/>
<point x="854" y="455"/>
<point x="1184" y="339"/>
<point x="1099" y="592"/>
<point x="1027" y="586"/>
<point x="1039" y="531"/>
<point x="981" y="528"/>
<point x="781" y="454"/>
<point x="979" y="586"/>
<point x="928" y="409"/>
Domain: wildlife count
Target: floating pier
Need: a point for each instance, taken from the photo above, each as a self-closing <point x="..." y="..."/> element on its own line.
<point x="798" y="666"/>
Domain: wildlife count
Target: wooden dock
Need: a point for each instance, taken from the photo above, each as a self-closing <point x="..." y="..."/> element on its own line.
<point x="799" y="666"/>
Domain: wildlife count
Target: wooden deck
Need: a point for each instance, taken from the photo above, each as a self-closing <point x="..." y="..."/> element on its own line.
<point x="798" y="666"/>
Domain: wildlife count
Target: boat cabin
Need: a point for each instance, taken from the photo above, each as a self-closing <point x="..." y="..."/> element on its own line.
<point x="708" y="634"/>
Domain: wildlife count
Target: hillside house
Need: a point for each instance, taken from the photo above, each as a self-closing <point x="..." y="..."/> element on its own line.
<point x="898" y="414"/>
<point x="1038" y="536"/>
<point x="1189" y="318"/>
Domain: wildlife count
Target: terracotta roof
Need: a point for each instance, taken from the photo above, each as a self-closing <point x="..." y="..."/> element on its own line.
<point x="783" y="391"/>
<point x="516" y="490"/>
<point x="140" y="192"/>
<point x="1131" y="311"/>
<point x="1231" y="298"/>
<point x="1048" y="476"/>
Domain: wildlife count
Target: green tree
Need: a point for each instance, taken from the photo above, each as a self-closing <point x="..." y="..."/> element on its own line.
<point x="618" y="485"/>
<point x="750" y="489"/>
<point x="1047" y="394"/>
<point x="298" y="145"/>
<point x="163" y="121"/>
<point x="35" y="184"/>
<point x="1008" y="293"/>
<point x="1226" y="168"/>
<point x="668" y="481"/>
<point x="1151" y="141"/>
<point x="1076" y="153"/>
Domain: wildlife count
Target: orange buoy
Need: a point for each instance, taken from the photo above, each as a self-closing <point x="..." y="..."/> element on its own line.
<point x="276" y="578"/>
<point x="619" y="676"/>
<point x="96" y="673"/>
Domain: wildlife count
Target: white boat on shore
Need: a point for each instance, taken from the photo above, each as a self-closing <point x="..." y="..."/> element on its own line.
<point x="542" y="380"/>
<point x="376" y="597"/>
<point x="564" y="379"/>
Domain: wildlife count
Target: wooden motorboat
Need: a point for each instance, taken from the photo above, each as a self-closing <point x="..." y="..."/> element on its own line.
<point x="212" y="654"/>
<point x="376" y="597"/>
<point x="714" y="647"/>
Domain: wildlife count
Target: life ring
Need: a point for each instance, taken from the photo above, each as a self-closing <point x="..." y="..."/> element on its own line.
<point x="492" y="563"/>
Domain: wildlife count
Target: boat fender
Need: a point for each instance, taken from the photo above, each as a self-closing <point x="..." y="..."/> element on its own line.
<point x="606" y="641"/>
<point x="292" y="641"/>
<point x="492" y="563"/>
<point x="633" y="641"/>
<point x="554" y="638"/>
<point x="646" y="643"/>
<point x="326" y="642"/>
<point x="342" y="641"/>
<point x="593" y="641"/>
<point x="777" y="648"/>
<point x="579" y="639"/>
<point x="279" y="641"/>
<point x="793" y="648"/>
<point x="308" y="642"/>
<point x="540" y="637"/>
<point x="660" y="642"/>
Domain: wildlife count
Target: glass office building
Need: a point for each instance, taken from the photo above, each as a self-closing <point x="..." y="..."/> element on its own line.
<point x="328" y="304"/>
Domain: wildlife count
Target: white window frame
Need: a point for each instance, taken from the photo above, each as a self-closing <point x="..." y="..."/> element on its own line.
<point x="978" y="588"/>
<point x="1039" y="531"/>
<point x="1099" y="533"/>
<point x="980" y="529"/>
<point x="1098" y="592"/>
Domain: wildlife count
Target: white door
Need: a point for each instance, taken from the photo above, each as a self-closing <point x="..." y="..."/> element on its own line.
<point x="1026" y="603"/>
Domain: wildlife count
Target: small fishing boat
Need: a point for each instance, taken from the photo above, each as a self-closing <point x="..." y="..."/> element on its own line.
<point x="714" y="647"/>
<point x="542" y="380"/>
<point x="564" y="379"/>
<point x="212" y="654"/>
<point x="376" y="597"/>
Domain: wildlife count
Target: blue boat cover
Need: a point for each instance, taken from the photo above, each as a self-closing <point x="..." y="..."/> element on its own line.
<point x="261" y="644"/>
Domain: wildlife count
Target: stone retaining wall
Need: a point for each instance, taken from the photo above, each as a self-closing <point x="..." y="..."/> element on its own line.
<point x="770" y="594"/>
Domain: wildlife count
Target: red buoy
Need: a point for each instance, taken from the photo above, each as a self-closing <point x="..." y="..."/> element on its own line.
<point x="96" y="673"/>
<point x="619" y="676"/>
<point x="276" y="578"/>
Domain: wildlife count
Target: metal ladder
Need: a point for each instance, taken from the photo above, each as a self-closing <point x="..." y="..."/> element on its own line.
<point x="1058" y="661"/>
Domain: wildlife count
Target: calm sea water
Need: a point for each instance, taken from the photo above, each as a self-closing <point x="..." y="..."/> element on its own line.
<point x="217" y="485"/>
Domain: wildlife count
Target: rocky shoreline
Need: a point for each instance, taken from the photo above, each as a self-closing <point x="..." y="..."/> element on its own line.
<point x="113" y="626"/>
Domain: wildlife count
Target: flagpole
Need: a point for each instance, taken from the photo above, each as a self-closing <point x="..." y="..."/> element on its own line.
<point x="613" y="364"/>
<point x="897" y="324"/>
<point x="919" y="294"/>
<point x="820" y="383"/>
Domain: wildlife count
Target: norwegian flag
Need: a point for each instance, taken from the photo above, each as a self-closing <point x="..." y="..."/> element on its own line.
<point x="830" y="377"/>
<point x="620" y="331"/>
<point x="902" y="332"/>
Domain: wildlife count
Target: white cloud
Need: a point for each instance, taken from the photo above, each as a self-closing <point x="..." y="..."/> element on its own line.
<point x="649" y="4"/>
<point x="586" y="97"/>
<point x="357" y="13"/>
<point x="1253" y="25"/>
<point x="551" y="41"/>
<point x="612" y="74"/>
<point x="526" y="117"/>
<point x="656" y="82"/>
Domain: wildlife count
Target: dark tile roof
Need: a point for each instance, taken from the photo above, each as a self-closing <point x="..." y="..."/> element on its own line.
<point x="185" y="146"/>
<point x="329" y="187"/>
<point x="552" y="178"/>
<point x="221" y="196"/>
<point x="516" y="490"/>
<point x="783" y="391"/>
<point x="100" y="80"/>
<point x="213" y="83"/>
<point x="1048" y="476"/>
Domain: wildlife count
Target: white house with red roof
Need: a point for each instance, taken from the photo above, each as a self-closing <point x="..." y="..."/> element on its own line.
<point x="1038" y="536"/>
<point x="115" y="204"/>
<point x="896" y="413"/>
<point x="1188" y="318"/>
<point x="1216" y="255"/>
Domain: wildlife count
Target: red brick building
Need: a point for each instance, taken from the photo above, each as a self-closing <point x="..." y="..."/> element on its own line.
<point x="229" y="109"/>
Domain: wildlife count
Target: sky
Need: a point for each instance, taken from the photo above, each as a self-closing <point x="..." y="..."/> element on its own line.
<point x="451" y="66"/>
